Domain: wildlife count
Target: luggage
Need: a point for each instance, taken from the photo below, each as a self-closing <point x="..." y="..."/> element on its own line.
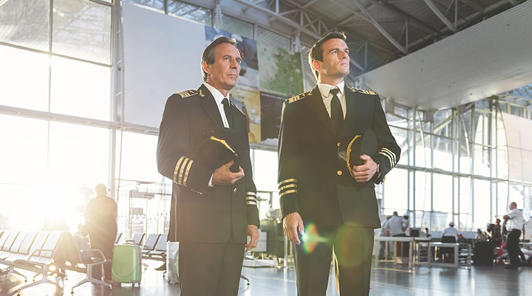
<point x="483" y="253"/>
<point x="127" y="264"/>
<point x="172" y="262"/>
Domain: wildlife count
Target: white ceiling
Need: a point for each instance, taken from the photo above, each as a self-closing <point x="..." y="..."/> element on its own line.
<point x="489" y="58"/>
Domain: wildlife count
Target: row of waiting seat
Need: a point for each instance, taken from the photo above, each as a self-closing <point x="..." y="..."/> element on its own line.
<point x="39" y="251"/>
<point x="48" y="254"/>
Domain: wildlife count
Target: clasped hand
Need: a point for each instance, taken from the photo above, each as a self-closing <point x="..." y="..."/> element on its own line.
<point x="365" y="171"/>
<point x="224" y="176"/>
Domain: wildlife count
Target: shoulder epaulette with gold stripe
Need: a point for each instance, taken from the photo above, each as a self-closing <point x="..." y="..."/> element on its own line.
<point x="362" y="91"/>
<point x="187" y="93"/>
<point x="287" y="186"/>
<point x="299" y="97"/>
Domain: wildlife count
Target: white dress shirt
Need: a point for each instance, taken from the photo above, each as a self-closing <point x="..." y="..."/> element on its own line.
<point x="450" y="231"/>
<point x="395" y="225"/>
<point x="327" y="96"/>
<point x="516" y="220"/>
<point x="218" y="97"/>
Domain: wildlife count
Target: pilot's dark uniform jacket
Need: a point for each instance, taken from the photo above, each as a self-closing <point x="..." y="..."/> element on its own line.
<point x="200" y="213"/>
<point x="314" y="183"/>
<point x="311" y="180"/>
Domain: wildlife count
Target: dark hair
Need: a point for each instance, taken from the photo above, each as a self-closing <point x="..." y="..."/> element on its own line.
<point x="208" y="53"/>
<point x="316" y="51"/>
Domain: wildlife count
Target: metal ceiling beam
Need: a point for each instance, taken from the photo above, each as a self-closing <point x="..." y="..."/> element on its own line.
<point x="465" y="19"/>
<point x="346" y="20"/>
<point x="291" y="23"/>
<point x="407" y="17"/>
<point x="440" y="15"/>
<point x="380" y="28"/>
<point x="473" y="5"/>
<point x="355" y="13"/>
<point x="310" y="4"/>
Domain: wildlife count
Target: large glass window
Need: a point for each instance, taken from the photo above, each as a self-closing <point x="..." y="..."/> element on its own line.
<point x="237" y="26"/>
<point x="24" y="151"/>
<point x="442" y="193"/>
<point x="82" y="29"/>
<point x="189" y="11"/>
<point x="154" y="4"/>
<point x="79" y="155"/>
<point x="25" y="23"/>
<point x="19" y="68"/>
<point x="80" y="89"/>
<point x="138" y="161"/>
<point x="273" y="39"/>
<point x="482" y="205"/>
<point x="396" y="191"/>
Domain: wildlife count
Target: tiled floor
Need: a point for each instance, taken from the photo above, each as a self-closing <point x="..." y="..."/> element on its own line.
<point x="386" y="280"/>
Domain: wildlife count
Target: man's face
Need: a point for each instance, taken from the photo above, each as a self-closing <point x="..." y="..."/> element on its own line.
<point x="512" y="206"/>
<point x="223" y="73"/>
<point x="335" y="63"/>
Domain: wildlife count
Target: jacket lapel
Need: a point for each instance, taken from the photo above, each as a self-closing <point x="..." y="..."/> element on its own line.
<point x="237" y="122"/>
<point x="316" y="105"/>
<point x="209" y="105"/>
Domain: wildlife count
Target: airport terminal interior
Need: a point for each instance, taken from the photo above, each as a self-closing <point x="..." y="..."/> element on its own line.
<point x="83" y="86"/>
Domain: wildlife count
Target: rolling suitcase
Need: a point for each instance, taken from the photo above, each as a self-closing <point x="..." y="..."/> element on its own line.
<point x="127" y="264"/>
<point x="483" y="253"/>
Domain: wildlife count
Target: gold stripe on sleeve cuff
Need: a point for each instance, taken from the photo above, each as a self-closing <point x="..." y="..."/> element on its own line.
<point x="394" y="159"/>
<point x="286" y="181"/>
<point x="288" y="186"/>
<point x="186" y="172"/>
<point x="182" y="171"/>
<point x="177" y="167"/>
<point x="281" y="194"/>
<point x="387" y="156"/>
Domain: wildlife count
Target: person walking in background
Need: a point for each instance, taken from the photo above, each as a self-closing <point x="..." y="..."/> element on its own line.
<point x="396" y="228"/>
<point x="336" y="203"/>
<point x="100" y="224"/>
<point x="514" y="220"/>
<point x="214" y="206"/>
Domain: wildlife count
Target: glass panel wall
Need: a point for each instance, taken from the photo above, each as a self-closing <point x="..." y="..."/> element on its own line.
<point x="190" y="12"/>
<point x="56" y="110"/>
<point x="234" y="25"/>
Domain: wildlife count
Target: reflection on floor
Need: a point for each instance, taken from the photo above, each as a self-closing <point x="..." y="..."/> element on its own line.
<point x="386" y="280"/>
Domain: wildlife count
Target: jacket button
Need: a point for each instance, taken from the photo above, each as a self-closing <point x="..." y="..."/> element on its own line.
<point x="235" y="190"/>
<point x="338" y="144"/>
<point x="339" y="173"/>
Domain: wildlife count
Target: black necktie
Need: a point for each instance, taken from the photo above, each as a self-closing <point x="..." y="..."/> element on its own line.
<point x="228" y="112"/>
<point x="337" y="116"/>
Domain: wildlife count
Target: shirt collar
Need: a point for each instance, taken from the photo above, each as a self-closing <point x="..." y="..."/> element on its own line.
<point x="326" y="88"/>
<point x="218" y="97"/>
